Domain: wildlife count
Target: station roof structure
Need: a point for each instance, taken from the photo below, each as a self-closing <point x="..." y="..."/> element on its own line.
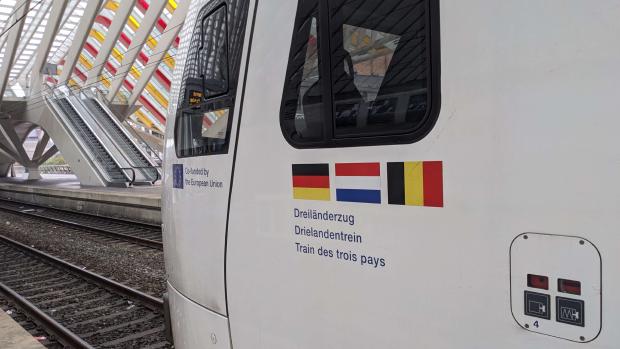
<point x="126" y="49"/>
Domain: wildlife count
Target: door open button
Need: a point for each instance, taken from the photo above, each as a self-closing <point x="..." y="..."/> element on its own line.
<point x="537" y="305"/>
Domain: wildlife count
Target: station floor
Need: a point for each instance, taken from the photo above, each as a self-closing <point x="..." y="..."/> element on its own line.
<point x="13" y="336"/>
<point x="141" y="203"/>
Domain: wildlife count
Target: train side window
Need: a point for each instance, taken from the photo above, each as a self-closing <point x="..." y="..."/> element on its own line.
<point x="303" y="109"/>
<point x="209" y="85"/>
<point x="382" y="69"/>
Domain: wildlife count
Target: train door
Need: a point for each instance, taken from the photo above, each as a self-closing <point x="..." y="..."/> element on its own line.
<point x="339" y="91"/>
<point x="199" y="164"/>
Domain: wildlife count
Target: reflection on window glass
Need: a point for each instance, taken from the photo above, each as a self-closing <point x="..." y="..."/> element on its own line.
<point x="214" y="55"/>
<point x="202" y="132"/>
<point x="379" y="66"/>
<point x="303" y="98"/>
<point x="378" y="53"/>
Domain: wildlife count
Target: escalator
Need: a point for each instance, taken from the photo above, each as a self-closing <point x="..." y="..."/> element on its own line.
<point x="100" y="155"/>
<point x="135" y="157"/>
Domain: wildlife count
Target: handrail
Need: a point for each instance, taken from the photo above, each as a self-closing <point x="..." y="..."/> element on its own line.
<point x="124" y="132"/>
<point x="133" y="172"/>
<point x="103" y="145"/>
<point x="125" y="129"/>
<point x="98" y="164"/>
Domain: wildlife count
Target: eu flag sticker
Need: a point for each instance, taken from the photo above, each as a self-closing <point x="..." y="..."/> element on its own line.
<point x="177" y="176"/>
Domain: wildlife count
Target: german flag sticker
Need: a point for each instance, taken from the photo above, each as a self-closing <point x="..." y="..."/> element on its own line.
<point x="311" y="182"/>
<point x="415" y="183"/>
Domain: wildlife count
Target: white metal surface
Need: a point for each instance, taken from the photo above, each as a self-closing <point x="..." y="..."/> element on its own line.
<point x="557" y="257"/>
<point x="12" y="41"/>
<point x="528" y="137"/>
<point x="90" y="13"/>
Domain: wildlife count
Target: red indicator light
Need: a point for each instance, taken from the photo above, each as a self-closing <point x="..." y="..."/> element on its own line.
<point x="537" y="281"/>
<point x="569" y="286"/>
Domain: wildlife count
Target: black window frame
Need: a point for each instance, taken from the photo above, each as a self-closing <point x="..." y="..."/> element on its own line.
<point x="325" y="70"/>
<point x="224" y="100"/>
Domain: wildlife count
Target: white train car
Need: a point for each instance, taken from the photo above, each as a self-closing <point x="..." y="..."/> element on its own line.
<point x="395" y="174"/>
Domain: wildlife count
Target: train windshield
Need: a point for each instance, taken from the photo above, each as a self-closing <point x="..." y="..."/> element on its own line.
<point x="210" y="78"/>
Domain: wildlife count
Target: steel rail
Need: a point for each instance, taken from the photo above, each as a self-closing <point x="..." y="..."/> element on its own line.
<point x="51" y="326"/>
<point x="134" y="239"/>
<point x="148" y="301"/>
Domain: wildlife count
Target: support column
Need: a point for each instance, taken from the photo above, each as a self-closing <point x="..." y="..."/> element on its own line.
<point x="51" y="29"/>
<point x="81" y="34"/>
<point x="146" y="27"/>
<point x="12" y="41"/>
<point x="111" y="37"/>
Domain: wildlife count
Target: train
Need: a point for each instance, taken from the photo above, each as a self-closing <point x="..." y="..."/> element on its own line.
<point x="394" y="174"/>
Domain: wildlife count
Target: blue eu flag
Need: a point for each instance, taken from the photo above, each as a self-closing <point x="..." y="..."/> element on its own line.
<point x="177" y="176"/>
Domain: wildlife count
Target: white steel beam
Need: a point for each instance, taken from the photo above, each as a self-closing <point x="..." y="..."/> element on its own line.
<point x="53" y="24"/>
<point x="81" y="34"/>
<point x="146" y="27"/>
<point x="12" y="42"/>
<point x="160" y="50"/>
<point x="111" y="37"/>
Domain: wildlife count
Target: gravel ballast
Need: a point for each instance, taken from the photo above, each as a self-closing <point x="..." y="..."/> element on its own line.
<point x="138" y="267"/>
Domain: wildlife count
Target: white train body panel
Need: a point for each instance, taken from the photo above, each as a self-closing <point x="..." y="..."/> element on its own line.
<point x="528" y="137"/>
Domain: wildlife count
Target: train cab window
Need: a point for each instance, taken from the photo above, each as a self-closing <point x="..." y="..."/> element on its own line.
<point x="209" y="85"/>
<point x="382" y="76"/>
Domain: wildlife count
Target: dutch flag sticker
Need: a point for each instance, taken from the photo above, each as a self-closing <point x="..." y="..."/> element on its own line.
<point x="358" y="182"/>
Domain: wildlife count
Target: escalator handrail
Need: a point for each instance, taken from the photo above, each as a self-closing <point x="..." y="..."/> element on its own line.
<point x="95" y="96"/>
<point x="69" y="129"/>
<point x="98" y="138"/>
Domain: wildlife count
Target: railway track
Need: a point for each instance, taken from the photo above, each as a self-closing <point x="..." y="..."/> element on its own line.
<point x="79" y="308"/>
<point x="137" y="233"/>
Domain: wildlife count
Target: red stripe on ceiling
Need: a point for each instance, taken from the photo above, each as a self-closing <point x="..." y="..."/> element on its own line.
<point x="161" y="24"/>
<point x="52" y="80"/>
<point x="128" y="85"/>
<point x="79" y="73"/>
<point x="143" y="5"/>
<point x="152" y="109"/>
<point x="91" y="49"/>
<point x="111" y="68"/>
<point x="163" y="79"/>
<point x="144" y="59"/>
<point x="177" y="41"/>
<point x="103" y="20"/>
<point x="125" y="40"/>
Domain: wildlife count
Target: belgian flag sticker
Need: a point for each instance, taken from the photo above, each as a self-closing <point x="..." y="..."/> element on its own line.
<point x="415" y="183"/>
<point x="311" y="182"/>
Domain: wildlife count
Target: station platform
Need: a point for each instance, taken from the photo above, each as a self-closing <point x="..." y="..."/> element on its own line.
<point x="13" y="336"/>
<point x="140" y="203"/>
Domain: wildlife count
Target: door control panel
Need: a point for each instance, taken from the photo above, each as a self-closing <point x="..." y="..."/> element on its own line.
<point x="555" y="285"/>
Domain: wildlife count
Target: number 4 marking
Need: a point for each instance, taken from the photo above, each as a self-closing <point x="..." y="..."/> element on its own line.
<point x="536" y="324"/>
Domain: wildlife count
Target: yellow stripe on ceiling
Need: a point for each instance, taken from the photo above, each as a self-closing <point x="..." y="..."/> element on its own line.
<point x="88" y="65"/>
<point x="97" y="35"/>
<point x="112" y="5"/>
<point x="144" y="119"/>
<point x="157" y="95"/>
<point x="72" y="83"/>
<point x="117" y="55"/>
<point x="172" y="4"/>
<point x="169" y="61"/>
<point x="133" y="24"/>
<point x="105" y="81"/>
<point x="135" y="72"/>
<point x="151" y="42"/>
